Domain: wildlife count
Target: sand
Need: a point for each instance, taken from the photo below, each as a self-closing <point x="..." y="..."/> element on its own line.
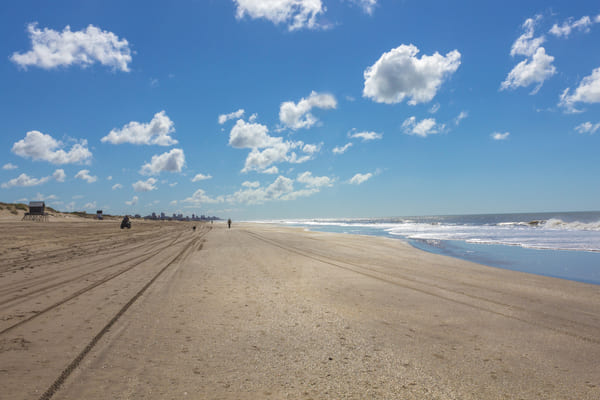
<point x="89" y="311"/>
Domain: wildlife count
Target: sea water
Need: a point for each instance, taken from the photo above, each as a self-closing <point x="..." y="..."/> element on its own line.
<point x="562" y="245"/>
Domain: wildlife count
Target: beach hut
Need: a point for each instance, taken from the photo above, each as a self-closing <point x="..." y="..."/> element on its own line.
<point x="37" y="211"/>
<point x="99" y="214"/>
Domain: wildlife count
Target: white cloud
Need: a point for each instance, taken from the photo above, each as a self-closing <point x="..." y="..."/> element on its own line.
<point x="52" y="49"/>
<point x="133" y="201"/>
<point x="109" y="178"/>
<point x="582" y="24"/>
<point x="90" y="206"/>
<point x="9" y="166"/>
<point x="434" y="108"/>
<point x="253" y="184"/>
<point x="366" y="136"/>
<point x="422" y="128"/>
<point x="341" y="149"/>
<point x="500" y="136"/>
<point x="529" y="71"/>
<point x="144" y="186"/>
<point x="201" y="177"/>
<point x="59" y="175"/>
<point x="25" y="181"/>
<point x="314" y="181"/>
<point x="460" y="117"/>
<point x="250" y="135"/>
<point x="267" y="150"/>
<point x="526" y="44"/>
<point x="172" y="161"/>
<point x="157" y="131"/>
<point x="84" y="174"/>
<point x="399" y="74"/>
<point x="587" y="127"/>
<point x="296" y="116"/>
<point x="296" y="14"/>
<point x="360" y="178"/>
<point x="226" y="117"/>
<point x="117" y="186"/>
<point x="199" y="197"/>
<point x="588" y="91"/>
<point x="368" y="6"/>
<point x="272" y="170"/>
<point x="537" y="67"/>
<point x="39" y="146"/>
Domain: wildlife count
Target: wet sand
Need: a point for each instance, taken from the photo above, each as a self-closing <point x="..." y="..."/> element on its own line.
<point x="161" y="311"/>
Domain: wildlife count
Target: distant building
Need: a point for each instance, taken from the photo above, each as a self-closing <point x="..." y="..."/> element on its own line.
<point x="99" y="214"/>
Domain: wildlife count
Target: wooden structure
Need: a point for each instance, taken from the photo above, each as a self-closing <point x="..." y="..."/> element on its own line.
<point x="99" y="214"/>
<point x="37" y="212"/>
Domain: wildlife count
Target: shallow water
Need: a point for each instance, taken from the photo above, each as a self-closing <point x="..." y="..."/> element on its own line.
<point x="562" y="245"/>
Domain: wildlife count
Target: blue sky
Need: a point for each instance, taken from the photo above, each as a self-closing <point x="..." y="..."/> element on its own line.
<point x="301" y="108"/>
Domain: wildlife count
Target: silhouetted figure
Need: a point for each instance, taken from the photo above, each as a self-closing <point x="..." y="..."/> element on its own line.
<point x="229" y="223"/>
<point x="126" y="223"/>
<point x="194" y="227"/>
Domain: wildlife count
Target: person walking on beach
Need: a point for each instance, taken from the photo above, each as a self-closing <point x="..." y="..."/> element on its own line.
<point x="229" y="223"/>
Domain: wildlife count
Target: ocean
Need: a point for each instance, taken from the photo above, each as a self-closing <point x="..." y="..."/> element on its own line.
<point x="563" y="245"/>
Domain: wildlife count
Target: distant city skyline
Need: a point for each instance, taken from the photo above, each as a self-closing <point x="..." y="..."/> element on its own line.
<point x="301" y="109"/>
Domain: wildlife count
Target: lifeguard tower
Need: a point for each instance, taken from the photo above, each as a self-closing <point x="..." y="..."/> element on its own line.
<point x="37" y="212"/>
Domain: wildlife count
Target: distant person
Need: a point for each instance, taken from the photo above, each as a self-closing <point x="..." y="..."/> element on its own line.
<point x="229" y="223"/>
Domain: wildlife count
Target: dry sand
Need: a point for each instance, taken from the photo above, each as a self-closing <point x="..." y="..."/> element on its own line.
<point x="89" y="311"/>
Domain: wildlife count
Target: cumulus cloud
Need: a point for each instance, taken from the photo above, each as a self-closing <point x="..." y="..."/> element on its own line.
<point x="25" y="181"/>
<point x="583" y="24"/>
<point x="588" y="91"/>
<point x="201" y="177"/>
<point x="9" y="166"/>
<point x="250" y="135"/>
<point x="145" y="186"/>
<point x="537" y="67"/>
<point x="117" y="186"/>
<point x="366" y="136"/>
<point x="399" y="74"/>
<point x="281" y="189"/>
<point x="59" y="175"/>
<point x="90" y="206"/>
<point x="296" y="14"/>
<point x="341" y="149"/>
<point x="233" y="115"/>
<point x="500" y="136"/>
<point x="84" y="174"/>
<point x="272" y="170"/>
<point x="529" y="71"/>
<point x="360" y="178"/>
<point x="133" y="201"/>
<point x="52" y="49"/>
<point x="297" y="116"/>
<point x="42" y="147"/>
<point x="527" y="44"/>
<point x="588" y="127"/>
<point x="423" y="128"/>
<point x="200" y="197"/>
<point x="172" y="161"/>
<point x="249" y="184"/>
<point x="314" y="181"/>
<point x="157" y="131"/>
<point x="267" y="150"/>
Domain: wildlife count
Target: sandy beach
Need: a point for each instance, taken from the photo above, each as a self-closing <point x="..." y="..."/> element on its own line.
<point x="162" y="311"/>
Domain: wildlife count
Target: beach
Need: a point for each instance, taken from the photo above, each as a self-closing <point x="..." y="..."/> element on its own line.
<point x="163" y="311"/>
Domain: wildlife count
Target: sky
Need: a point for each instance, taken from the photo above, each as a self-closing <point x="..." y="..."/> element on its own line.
<point x="270" y="109"/>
